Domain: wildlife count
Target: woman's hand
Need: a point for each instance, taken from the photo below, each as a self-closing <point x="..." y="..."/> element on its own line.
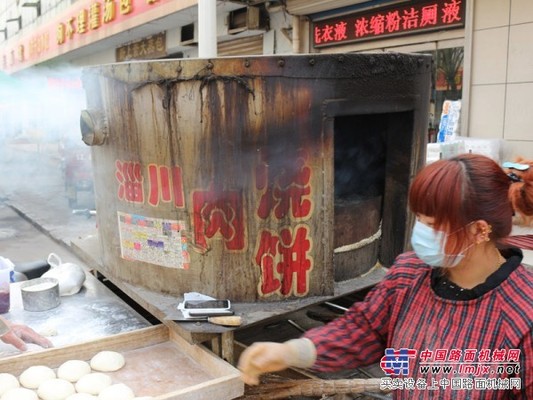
<point x="261" y="358"/>
<point x="265" y="357"/>
<point x="18" y="335"/>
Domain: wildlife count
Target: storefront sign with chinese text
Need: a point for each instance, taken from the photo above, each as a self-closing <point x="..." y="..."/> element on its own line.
<point x="147" y="48"/>
<point x="85" y="22"/>
<point x="415" y="17"/>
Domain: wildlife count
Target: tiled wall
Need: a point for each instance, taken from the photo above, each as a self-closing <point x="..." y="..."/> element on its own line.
<point x="501" y="92"/>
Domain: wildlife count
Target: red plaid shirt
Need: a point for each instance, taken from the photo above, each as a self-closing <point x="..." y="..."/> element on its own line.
<point x="403" y="311"/>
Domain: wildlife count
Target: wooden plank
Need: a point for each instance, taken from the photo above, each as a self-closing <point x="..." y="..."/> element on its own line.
<point x="216" y="389"/>
<point x="227" y="339"/>
<point x="216" y="346"/>
<point x="85" y="350"/>
<point x="215" y="365"/>
<point x="158" y="363"/>
<point x="398" y="173"/>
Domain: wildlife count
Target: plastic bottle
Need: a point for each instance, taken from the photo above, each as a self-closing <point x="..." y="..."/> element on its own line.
<point x="6" y="271"/>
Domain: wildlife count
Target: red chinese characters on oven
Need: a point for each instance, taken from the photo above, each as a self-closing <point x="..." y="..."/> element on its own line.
<point x="130" y="181"/>
<point x="284" y="261"/>
<point x="166" y="184"/>
<point x="284" y="257"/>
<point x="218" y="212"/>
<point x="286" y="190"/>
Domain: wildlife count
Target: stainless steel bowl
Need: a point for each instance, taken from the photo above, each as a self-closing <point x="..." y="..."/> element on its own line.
<point x="40" y="294"/>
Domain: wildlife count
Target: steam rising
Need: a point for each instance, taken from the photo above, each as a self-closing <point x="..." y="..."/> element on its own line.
<point x="39" y="111"/>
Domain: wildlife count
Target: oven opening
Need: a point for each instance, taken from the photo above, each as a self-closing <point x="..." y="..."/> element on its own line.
<point x="369" y="155"/>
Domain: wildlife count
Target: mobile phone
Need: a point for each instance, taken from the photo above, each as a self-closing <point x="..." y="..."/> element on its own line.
<point x="210" y="312"/>
<point x="195" y="304"/>
<point x="208" y="307"/>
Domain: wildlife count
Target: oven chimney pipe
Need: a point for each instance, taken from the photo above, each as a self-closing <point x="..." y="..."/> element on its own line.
<point x="207" y="28"/>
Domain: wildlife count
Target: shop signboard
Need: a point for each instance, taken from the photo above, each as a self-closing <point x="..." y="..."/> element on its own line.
<point x="400" y="19"/>
<point x="82" y="24"/>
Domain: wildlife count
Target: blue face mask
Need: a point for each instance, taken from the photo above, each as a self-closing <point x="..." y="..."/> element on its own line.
<point x="428" y="245"/>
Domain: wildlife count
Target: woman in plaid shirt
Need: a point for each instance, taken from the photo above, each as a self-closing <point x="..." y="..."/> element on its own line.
<point x="461" y="303"/>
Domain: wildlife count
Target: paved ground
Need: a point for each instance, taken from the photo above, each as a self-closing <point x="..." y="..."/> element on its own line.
<point x="22" y="242"/>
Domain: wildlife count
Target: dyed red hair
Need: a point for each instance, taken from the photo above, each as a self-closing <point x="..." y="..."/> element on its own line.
<point x="521" y="194"/>
<point x="459" y="191"/>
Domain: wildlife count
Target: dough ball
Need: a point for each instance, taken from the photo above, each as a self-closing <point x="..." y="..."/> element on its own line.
<point x="7" y="382"/>
<point x="48" y="330"/>
<point x="34" y="376"/>
<point x="93" y="383"/>
<point x="19" y="394"/>
<point x="81" y="396"/>
<point x="144" y="398"/>
<point x="55" y="389"/>
<point x="107" y="361"/>
<point x="117" y="391"/>
<point x="73" y="370"/>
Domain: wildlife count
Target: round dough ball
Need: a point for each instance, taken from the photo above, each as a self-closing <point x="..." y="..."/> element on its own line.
<point x="117" y="391"/>
<point x="81" y="396"/>
<point x="48" y="330"/>
<point x="93" y="383"/>
<point x="144" y="398"/>
<point x="19" y="394"/>
<point x="107" y="361"/>
<point x="34" y="376"/>
<point x="7" y="382"/>
<point x="73" y="370"/>
<point x="55" y="389"/>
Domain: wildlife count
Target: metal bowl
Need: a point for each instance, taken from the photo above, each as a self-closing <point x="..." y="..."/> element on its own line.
<point x="40" y="294"/>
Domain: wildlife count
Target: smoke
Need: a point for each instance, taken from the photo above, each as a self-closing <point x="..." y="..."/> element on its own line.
<point x="39" y="118"/>
<point x="42" y="103"/>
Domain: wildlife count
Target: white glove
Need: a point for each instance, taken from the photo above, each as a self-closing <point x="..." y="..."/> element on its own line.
<point x="265" y="357"/>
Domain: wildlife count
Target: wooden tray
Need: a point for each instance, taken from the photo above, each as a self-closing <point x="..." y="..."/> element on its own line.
<point x="159" y="363"/>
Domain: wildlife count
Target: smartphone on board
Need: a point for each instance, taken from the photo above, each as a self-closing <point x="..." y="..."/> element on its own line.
<point x="208" y="307"/>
